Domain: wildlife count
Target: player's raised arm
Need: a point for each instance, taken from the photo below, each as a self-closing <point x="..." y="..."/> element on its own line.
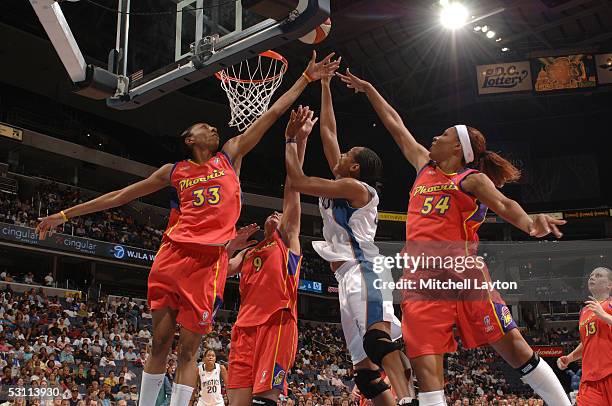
<point x="484" y="190"/>
<point x="292" y="209"/>
<point x="414" y="152"/>
<point x="329" y="135"/>
<point x="240" y="145"/>
<point x="156" y="181"/>
<point x="345" y="188"/>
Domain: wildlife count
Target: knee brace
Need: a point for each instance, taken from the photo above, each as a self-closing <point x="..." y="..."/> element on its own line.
<point x="261" y="401"/>
<point x="377" y="344"/>
<point x="365" y="381"/>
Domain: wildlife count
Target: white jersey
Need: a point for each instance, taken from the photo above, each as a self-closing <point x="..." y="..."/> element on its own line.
<point x="349" y="232"/>
<point x="210" y="386"/>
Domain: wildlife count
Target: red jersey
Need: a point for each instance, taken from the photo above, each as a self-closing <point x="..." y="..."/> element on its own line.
<point x="268" y="281"/>
<point x="206" y="205"/>
<point x="439" y="210"/>
<point x="596" y="339"/>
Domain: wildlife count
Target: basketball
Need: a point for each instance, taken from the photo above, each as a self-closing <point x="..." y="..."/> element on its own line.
<point x="317" y="35"/>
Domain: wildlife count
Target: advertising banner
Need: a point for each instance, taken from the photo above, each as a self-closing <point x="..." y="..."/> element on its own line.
<point x="504" y="77"/>
<point x="548" y="351"/>
<point x="310" y="286"/>
<point x="604" y="68"/>
<point x="79" y="245"/>
<point x="564" y="72"/>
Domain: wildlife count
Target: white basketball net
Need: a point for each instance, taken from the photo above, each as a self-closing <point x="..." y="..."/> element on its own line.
<point x="249" y="90"/>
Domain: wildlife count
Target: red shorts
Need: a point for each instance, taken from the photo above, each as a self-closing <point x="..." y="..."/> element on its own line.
<point x="190" y="280"/>
<point x="427" y="326"/>
<point x="595" y="393"/>
<point x="261" y="356"/>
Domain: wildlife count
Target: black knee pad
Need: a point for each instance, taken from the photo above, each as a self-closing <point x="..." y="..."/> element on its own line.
<point x="261" y="401"/>
<point x="529" y="365"/>
<point x="377" y="344"/>
<point x="364" y="379"/>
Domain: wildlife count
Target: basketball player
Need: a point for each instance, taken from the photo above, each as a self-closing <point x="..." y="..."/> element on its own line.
<point x="348" y="206"/>
<point x="210" y="375"/>
<point x="595" y="347"/>
<point x="187" y="278"/>
<point x="264" y="337"/>
<point x="448" y="202"/>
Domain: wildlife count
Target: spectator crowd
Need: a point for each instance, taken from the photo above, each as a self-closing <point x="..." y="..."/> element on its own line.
<point x="93" y="353"/>
<point x="111" y="225"/>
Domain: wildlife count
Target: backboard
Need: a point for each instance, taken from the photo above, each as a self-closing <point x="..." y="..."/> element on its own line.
<point x="164" y="45"/>
<point x="209" y="35"/>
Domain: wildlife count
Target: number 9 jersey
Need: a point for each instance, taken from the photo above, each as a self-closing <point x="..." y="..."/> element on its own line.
<point x="206" y="204"/>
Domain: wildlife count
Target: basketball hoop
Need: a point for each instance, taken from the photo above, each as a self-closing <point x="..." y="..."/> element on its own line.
<point x="249" y="89"/>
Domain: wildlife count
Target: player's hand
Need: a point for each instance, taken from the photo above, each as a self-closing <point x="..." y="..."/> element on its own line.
<point x="241" y="241"/>
<point x="325" y="68"/>
<point x="48" y="224"/>
<point x="326" y="80"/>
<point x="353" y="82"/>
<point x="300" y="123"/>
<point x="544" y="224"/>
<point x="596" y="307"/>
<point x="563" y="362"/>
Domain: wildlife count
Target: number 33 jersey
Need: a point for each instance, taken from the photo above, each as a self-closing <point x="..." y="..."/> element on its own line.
<point x="206" y="202"/>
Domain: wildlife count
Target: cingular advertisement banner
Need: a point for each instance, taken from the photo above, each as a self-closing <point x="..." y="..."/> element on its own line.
<point x="79" y="245"/>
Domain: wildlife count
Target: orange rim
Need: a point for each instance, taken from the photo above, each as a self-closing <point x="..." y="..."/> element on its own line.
<point x="267" y="54"/>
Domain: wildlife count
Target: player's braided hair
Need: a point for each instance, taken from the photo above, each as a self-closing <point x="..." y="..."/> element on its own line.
<point x="370" y="168"/>
<point x="186" y="149"/>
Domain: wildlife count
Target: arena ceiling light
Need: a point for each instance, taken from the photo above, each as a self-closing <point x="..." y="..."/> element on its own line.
<point x="453" y="15"/>
<point x="490" y="34"/>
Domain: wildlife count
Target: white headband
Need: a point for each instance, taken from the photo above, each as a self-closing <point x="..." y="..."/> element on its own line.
<point x="466" y="145"/>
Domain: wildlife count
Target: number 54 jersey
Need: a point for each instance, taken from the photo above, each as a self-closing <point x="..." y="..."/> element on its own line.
<point x="440" y="210"/>
<point x="206" y="202"/>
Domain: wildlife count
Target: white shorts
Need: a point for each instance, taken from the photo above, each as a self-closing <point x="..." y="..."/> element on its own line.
<point x="361" y="307"/>
<point x="202" y="403"/>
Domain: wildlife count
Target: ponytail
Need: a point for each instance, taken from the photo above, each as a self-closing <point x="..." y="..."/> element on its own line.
<point x="497" y="168"/>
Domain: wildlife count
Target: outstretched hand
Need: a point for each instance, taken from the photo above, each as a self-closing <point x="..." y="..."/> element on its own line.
<point x="300" y="123"/>
<point x="353" y="82"/>
<point x="241" y="241"/>
<point x="544" y="224"/>
<point x="326" y="80"/>
<point x="325" y="68"/>
<point x="48" y="224"/>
